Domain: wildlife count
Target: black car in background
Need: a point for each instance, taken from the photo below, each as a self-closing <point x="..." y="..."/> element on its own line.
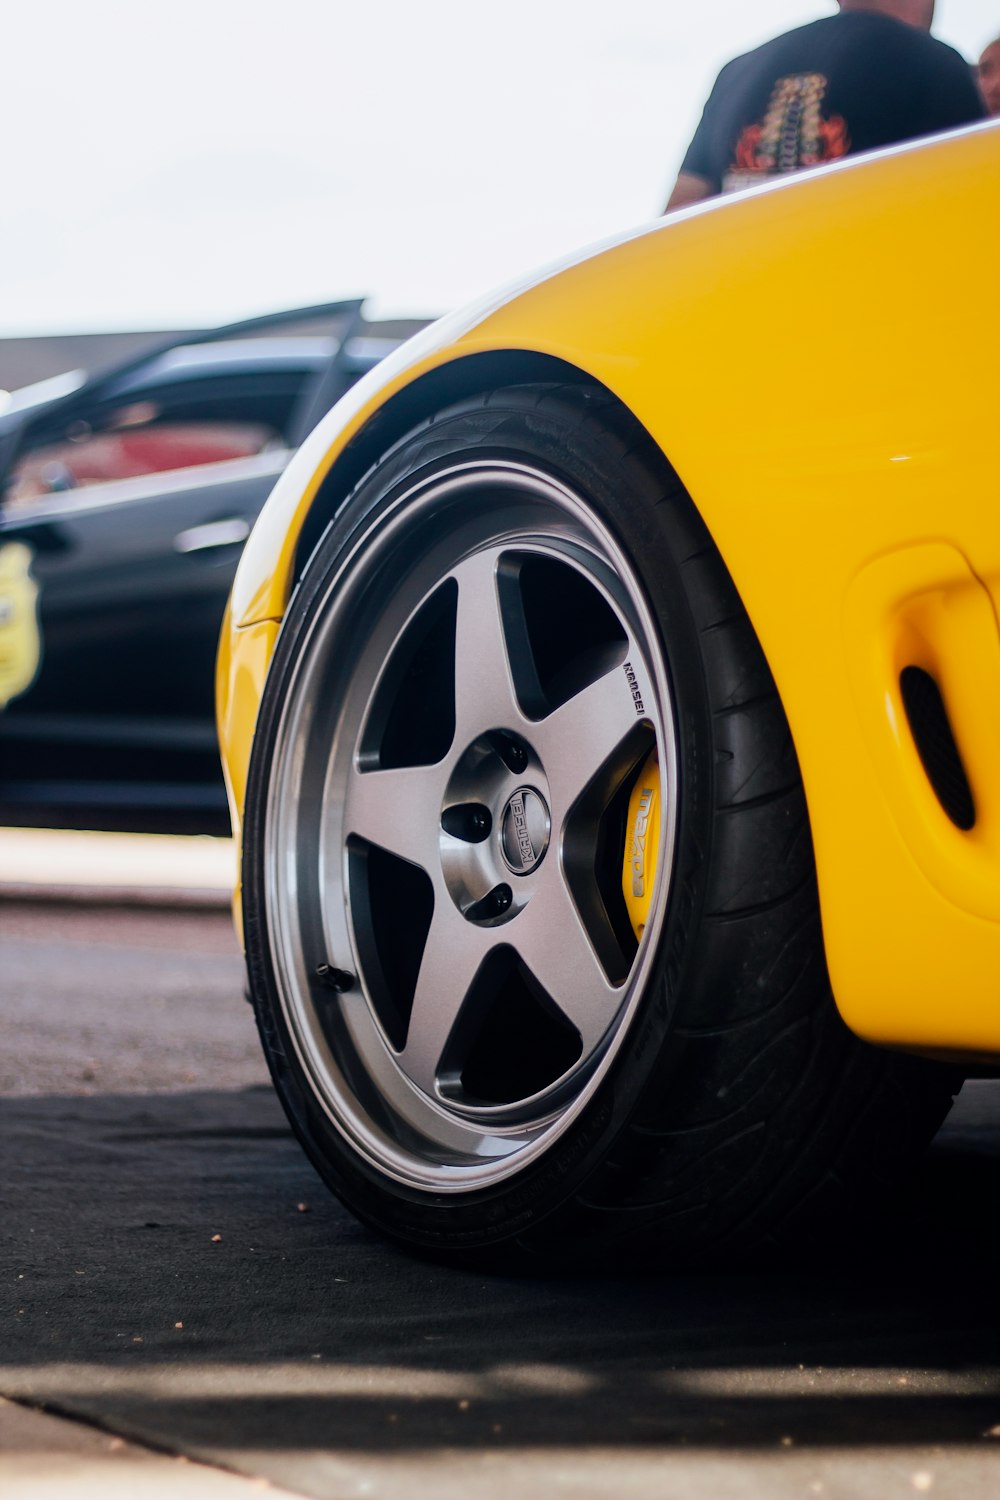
<point x="124" y="504"/>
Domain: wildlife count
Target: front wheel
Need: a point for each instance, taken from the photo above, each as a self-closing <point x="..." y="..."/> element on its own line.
<point x="530" y="907"/>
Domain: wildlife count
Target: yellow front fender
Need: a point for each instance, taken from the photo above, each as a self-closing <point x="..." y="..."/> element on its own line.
<point x="817" y="361"/>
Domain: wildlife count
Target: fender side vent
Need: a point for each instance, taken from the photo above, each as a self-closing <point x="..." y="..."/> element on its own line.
<point x="935" y="742"/>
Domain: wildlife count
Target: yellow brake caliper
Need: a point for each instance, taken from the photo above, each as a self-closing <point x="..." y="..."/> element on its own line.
<point x="642" y="839"/>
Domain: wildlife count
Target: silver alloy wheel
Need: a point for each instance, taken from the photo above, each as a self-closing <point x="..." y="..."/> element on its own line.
<point x="478" y="690"/>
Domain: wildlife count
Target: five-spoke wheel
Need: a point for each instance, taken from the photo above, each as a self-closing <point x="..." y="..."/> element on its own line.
<point x="450" y="779"/>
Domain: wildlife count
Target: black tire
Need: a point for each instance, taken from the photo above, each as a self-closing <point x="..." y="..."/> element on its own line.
<point x="732" y="1109"/>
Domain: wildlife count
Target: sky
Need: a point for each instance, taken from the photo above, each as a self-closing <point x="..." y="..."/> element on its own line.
<point x="184" y="165"/>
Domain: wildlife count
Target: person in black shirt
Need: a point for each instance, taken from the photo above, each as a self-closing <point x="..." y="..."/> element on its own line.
<point x="868" y="77"/>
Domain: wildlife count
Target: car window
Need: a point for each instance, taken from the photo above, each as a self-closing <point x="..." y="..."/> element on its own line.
<point x="130" y="440"/>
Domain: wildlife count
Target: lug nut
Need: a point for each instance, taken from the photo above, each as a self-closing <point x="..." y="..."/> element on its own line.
<point x="513" y="754"/>
<point x="502" y="897"/>
<point x="493" y="904"/>
<point x="469" y="821"/>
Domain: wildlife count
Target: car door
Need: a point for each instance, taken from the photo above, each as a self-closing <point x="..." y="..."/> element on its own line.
<point x="126" y="502"/>
<point x="127" y="577"/>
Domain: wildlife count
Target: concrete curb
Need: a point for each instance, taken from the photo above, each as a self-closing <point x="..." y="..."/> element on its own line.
<point x="160" y="871"/>
<point x="158" y="898"/>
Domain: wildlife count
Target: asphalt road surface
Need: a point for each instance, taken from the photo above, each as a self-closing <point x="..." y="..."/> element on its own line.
<point x="173" y="1272"/>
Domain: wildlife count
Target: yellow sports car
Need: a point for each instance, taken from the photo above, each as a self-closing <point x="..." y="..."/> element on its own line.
<point x="610" y="709"/>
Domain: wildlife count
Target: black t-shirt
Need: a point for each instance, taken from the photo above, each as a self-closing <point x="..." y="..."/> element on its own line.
<point x="851" y="82"/>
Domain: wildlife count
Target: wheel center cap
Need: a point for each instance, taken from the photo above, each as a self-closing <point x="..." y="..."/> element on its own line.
<point x="525" y="826"/>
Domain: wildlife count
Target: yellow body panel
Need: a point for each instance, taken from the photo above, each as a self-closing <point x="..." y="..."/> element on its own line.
<point x="818" y="361"/>
<point x="240" y="670"/>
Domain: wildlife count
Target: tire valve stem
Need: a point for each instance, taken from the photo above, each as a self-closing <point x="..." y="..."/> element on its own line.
<point x="334" y="979"/>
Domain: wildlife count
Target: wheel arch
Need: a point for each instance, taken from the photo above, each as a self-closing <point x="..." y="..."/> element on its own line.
<point x="470" y="375"/>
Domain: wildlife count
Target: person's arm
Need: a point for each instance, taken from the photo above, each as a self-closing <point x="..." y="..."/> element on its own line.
<point x="695" y="179"/>
<point x="689" y="188"/>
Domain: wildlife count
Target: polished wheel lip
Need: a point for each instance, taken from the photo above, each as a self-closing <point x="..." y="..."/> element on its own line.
<point x="420" y="1134"/>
